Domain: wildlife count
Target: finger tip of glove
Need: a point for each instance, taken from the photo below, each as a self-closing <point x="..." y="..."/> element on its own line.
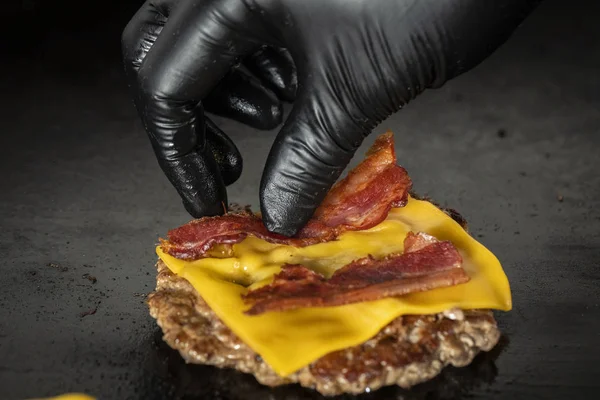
<point x="264" y="117"/>
<point x="288" y="96"/>
<point x="231" y="168"/>
<point x="281" y="213"/>
<point x="288" y="92"/>
<point x="197" y="210"/>
<point x="271" y="116"/>
<point x="192" y="209"/>
<point x="231" y="174"/>
<point x="285" y="88"/>
<point x="276" y="225"/>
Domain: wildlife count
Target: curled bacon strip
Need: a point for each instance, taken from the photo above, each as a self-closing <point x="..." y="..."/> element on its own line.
<point x="365" y="197"/>
<point x="359" y="201"/>
<point x="194" y="239"/>
<point x="425" y="264"/>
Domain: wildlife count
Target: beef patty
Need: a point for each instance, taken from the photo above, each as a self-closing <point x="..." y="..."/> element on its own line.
<point x="408" y="351"/>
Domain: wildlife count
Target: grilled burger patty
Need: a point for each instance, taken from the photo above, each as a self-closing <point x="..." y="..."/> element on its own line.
<point x="408" y="351"/>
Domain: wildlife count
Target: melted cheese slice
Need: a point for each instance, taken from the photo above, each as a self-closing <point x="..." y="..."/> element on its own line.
<point x="70" y="396"/>
<point x="290" y="340"/>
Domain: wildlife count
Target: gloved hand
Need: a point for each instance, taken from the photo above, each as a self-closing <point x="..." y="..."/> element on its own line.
<point x="201" y="160"/>
<point x="358" y="62"/>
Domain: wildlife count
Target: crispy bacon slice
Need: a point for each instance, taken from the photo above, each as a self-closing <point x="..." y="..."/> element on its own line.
<point x="425" y="264"/>
<point x="194" y="239"/>
<point x="363" y="198"/>
<point x="360" y="201"/>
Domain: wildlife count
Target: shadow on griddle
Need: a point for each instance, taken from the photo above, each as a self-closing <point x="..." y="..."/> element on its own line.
<point x="171" y="378"/>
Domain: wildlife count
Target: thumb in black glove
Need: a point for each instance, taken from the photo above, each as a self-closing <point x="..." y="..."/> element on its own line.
<point x="357" y="61"/>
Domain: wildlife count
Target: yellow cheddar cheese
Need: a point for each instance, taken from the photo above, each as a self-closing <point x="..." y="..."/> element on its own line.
<point x="290" y="340"/>
<point x="70" y="396"/>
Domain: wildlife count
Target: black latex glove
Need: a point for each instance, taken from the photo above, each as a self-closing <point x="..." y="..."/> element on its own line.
<point x="200" y="160"/>
<point x="358" y="61"/>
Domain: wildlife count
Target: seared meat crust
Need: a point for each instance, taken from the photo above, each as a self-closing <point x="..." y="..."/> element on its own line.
<point x="410" y="350"/>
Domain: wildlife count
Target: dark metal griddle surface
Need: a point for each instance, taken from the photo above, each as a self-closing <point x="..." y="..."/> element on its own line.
<point x="514" y="146"/>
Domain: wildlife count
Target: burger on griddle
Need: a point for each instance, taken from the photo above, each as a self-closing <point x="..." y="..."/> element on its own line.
<point x="379" y="288"/>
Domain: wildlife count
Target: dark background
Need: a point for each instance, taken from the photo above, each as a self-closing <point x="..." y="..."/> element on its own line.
<point x="514" y="145"/>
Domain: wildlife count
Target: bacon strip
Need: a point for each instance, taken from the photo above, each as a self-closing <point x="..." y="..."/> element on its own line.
<point x="363" y="198"/>
<point x="360" y="201"/>
<point x="194" y="239"/>
<point x="425" y="264"/>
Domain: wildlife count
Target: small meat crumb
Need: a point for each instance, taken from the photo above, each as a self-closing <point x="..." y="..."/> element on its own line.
<point x="88" y="312"/>
<point x="90" y="278"/>
<point x="560" y="198"/>
<point x="236" y="207"/>
<point x="57" y="266"/>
